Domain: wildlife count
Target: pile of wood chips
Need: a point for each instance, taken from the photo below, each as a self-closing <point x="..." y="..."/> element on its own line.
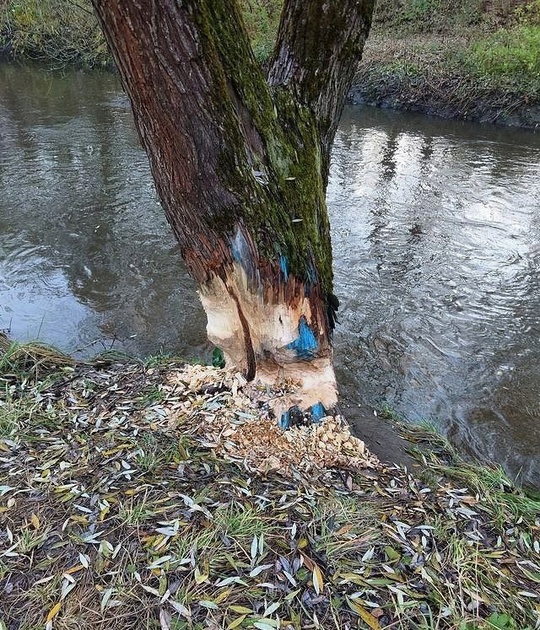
<point x="234" y="418"/>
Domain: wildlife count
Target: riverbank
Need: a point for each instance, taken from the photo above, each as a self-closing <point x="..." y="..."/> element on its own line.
<point x="471" y="59"/>
<point x="140" y="495"/>
<point x="428" y="73"/>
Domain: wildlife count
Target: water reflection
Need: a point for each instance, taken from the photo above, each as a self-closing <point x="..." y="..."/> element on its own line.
<point x="443" y="306"/>
<point x="86" y="253"/>
<point x="436" y="241"/>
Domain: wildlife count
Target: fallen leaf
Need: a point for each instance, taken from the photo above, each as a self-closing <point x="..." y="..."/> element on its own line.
<point x="318" y="580"/>
<point x="364" y="614"/>
<point x="53" y="612"/>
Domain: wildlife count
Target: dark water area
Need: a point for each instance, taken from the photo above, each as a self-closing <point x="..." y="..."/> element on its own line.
<point x="86" y="258"/>
<point x="436" y="232"/>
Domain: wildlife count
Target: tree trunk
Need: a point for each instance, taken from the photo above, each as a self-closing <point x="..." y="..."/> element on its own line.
<point x="240" y="162"/>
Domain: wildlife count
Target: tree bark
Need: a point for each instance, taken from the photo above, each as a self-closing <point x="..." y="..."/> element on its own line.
<point x="240" y="162"/>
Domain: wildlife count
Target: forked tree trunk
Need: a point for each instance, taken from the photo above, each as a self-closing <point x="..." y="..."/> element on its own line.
<point x="240" y="160"/>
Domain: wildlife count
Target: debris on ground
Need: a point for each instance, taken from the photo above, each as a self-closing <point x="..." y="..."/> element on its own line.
<point x="138" y="496"/>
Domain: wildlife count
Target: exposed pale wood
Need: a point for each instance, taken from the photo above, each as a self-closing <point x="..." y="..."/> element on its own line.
<point x="258" y="337"/>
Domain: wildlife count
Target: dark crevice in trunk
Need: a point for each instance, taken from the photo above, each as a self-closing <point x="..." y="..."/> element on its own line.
<point x="250" y="352"/>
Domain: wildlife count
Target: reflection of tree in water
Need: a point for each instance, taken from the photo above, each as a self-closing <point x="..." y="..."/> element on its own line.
<point x="84" y="195"/>
<point x="390" y="245"/>
<point x="388" y="157"/>
<point x="402" y="236"/>
<point x="426" y="152"/>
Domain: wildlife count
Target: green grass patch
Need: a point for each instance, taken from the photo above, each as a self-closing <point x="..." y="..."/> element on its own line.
<point x="509" y="54"/>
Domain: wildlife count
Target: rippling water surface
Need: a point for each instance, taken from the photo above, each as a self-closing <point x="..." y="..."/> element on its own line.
<point x="436" y="229"/>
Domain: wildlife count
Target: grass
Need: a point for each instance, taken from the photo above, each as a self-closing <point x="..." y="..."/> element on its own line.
<point x="510" y="55"/>
<point x="442" y="16"/>
<point x="119" y="515"/>
<point x="154" y="451"/>
<point x="32" y="359"/>
<point x="495" y="46"/>
<point x="440" y="75"/>
<point x="460" y="60"/>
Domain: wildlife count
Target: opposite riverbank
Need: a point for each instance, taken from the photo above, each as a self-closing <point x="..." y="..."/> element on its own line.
<point x="155" y="494"/>
<point x="476" y="60"/>
<point x="427" y="73"/>
<point x="472" y="60"/>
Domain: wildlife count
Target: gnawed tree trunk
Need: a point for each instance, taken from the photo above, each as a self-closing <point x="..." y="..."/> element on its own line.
<point x="240" y="160"/>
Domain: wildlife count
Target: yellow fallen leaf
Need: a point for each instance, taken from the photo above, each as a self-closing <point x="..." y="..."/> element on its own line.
<point x="364" y="614"/>
<point x="223" y="595"/>
<point x="53" y="612"/>
<point x="201" y="576"/>
<point x="236" y="622"/>
<point x="241" y="609"/>
<point x="74" y="569"/>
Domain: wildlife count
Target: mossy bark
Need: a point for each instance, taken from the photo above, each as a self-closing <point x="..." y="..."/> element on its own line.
<point x="240" y="160"/>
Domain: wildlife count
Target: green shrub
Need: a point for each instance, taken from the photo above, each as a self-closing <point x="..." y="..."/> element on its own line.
<point x="510" y="52"/>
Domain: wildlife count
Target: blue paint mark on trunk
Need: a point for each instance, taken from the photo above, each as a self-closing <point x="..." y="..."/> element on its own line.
<point x="242" y="254"/>
<point x="312" y="277"/>
<point x="285" y="420"/>
<point x="284" y="267"/>
<point x="305" y="344"/>
<point x="318" y="412"/>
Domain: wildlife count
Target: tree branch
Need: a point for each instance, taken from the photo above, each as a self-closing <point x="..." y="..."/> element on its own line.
<point x="318" y="47"/>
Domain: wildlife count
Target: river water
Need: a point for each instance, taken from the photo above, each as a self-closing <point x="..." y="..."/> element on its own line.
<point x="436" y="229"/>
